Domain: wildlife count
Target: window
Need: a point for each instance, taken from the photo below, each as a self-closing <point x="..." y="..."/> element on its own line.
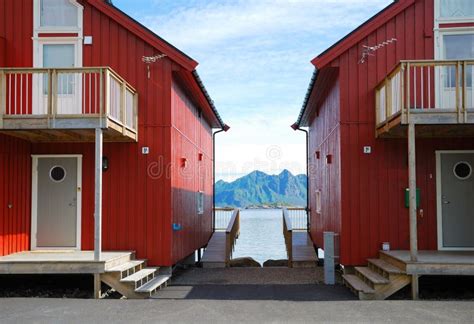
<point x="200" y="203"/>
<point x="456" y="9"/>
<point x="462" y="170"/>
<point x="57" y="174"/>
<point x="58" y="13"/>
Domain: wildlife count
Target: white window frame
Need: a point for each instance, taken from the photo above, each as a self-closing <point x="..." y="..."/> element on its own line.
<point x="444" y="20"/>
<point x="37" y="28"/>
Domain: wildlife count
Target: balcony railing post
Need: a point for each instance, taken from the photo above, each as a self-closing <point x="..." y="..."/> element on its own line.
<point x="402" y="89"/>
<point x="408" y="99"/>
<point x="107" y="92"/>
<point x="388" y="98"/>
<point x="3" y="97"/>
<point x="458" y="88"/>
<point x="122" y="107"/>
<point x="101" y="94"/>
<point x="464" y="94"/>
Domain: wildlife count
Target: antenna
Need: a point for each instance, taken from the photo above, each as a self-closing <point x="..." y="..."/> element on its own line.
<point x="151" y="59"/>
<point x="370" y="50"/>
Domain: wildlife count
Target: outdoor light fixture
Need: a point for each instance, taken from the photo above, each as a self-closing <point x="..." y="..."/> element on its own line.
<point x="184" y="162"/>
<point x="105" y="163"/>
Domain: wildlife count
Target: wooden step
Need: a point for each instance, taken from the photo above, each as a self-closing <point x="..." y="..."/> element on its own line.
<point x="372" y="276"/>
<point x="385" y="266"/>
<point x="358" y="285"/>
<point x="128" y="268"/>
<point x="151" y="286"/>
<point x="140" y="278"/>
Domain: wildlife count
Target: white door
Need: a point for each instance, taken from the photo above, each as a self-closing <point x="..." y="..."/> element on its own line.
<point x="68" y="89"/>
<point x="56" y="202"/>
<point x="455" y="46"/>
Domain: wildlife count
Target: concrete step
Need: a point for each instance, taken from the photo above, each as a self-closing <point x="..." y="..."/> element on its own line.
<point x="373" y="277"/>
<point x="140" y="278"/>
<point x="357" y="284"/>
<point x="385" y="266"/>
<point x="151" y="286"/>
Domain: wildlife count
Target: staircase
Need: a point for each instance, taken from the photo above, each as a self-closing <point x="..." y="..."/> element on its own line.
<point x="379" y="280"/>
<point x="134" y="280"/>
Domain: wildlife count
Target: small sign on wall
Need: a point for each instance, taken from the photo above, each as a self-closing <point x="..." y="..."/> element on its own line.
<point x="367" y="149"/>
<point x="145" y="150"/>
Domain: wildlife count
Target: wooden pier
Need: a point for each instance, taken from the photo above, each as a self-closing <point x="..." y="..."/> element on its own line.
<point x="221" y="245"/>
<point x="299" y="246"/>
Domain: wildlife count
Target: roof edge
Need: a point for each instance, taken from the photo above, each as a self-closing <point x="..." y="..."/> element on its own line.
<point x="209" y="100"/>
<point x="360" y="32"/>
<point x="145" y="33"/>
<point x="308" y="95"/>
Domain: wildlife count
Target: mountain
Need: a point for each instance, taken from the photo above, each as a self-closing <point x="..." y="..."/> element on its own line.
<point x="260" y="189"/>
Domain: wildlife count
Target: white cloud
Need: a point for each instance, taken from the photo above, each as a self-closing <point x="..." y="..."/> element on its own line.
<point x="254" y="59"/>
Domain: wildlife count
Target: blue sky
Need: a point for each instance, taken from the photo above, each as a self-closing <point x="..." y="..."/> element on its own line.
<point x="254" y="58"/>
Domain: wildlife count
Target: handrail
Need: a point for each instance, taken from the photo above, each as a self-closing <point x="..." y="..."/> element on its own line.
<point x="232" y="234"/>
<point x="428" y="86"/>
<point x="288" y="235"/>
<point x="68" y="92"/>
<point x="222" y="218"/>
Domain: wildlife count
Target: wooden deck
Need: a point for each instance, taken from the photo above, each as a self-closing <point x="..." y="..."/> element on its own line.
<point x="304" y="254"/>
<point x="215" y="255"/>
<point x="61" y="262"/>
<point x="433" y="262"/>
<point x="299" y="246"/>
<point x="221" y="245"/>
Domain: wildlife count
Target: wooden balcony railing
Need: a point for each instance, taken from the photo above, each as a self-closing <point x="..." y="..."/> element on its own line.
<point x="232" y="234"/>
<point x="66" y="98"/>
<point x="426" y="92"/>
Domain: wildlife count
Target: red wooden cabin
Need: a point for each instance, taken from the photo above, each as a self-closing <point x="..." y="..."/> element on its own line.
<point x="362" y="106"/>
<point x="72" y="76"/>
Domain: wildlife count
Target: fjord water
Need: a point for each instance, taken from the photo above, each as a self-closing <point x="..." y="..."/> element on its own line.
<point x="261" y="235"/>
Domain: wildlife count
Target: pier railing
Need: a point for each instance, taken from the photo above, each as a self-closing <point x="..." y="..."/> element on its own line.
<point x="222" y="218"/>
<point x="299" y="218"/>
<point x="288" y="235"/>
<point x="232" y="234"/>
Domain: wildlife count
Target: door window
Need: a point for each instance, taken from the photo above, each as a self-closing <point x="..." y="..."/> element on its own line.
<point x="458" y="47"/>
<point x="60" y="56"/>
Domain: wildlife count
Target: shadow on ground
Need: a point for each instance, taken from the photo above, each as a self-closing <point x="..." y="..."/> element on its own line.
<point x="257" y="292"/>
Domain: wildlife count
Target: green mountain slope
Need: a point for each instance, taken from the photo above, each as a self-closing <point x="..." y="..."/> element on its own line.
<point x="260" y="189"/>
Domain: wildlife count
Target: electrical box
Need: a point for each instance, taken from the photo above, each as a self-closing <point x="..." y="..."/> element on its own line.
<point x="407" y="198"/>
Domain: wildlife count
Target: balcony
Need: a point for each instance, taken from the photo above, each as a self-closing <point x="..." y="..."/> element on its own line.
<point x="437" y="96"/>
<point x="67" y="105"/>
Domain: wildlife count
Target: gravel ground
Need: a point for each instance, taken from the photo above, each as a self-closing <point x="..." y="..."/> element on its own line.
<point x="249" y="276"/>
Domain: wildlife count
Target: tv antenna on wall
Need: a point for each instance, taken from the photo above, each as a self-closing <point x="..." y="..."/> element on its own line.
<point x="151" y="59"/>
<point x="370" y="50"/>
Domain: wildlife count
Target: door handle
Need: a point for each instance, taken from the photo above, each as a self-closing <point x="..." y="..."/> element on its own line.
<point x="446" y="202"/>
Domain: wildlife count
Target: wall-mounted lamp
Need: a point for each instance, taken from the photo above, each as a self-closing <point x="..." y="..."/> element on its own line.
<point x="105" y="163"/>
<point x="200" y="156"/>
<point x="184" y="162"/>
<point x="317" y="154"/>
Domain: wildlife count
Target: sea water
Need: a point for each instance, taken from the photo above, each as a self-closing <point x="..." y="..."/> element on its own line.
<point x="261" y="235"/>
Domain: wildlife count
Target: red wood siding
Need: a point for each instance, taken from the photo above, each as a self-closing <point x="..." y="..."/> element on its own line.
<point x="15" y="195"/>
<point x="372" y="186"/>
<point x="191" y="136"/>
<point x="324" y="140"/>
<point x="137" y="191"/>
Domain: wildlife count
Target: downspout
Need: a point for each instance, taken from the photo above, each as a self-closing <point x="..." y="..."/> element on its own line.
<point x="296" y="127"/>
<point x="225" y="128"/>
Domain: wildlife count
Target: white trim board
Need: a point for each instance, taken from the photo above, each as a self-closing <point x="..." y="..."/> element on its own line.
<point x="34" y="199"/>
<point x="439" y="204"/>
